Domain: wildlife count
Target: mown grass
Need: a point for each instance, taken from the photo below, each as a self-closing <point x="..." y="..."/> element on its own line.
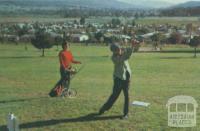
<point x="172" y="20"/>
<point x="26" y="78"/>
<point x="142" y="20"/>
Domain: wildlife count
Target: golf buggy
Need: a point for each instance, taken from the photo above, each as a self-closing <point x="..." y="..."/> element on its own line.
<point x="60" y="91"/>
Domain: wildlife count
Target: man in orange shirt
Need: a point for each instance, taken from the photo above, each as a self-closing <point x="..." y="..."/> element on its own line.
<point x="66" y="59"/>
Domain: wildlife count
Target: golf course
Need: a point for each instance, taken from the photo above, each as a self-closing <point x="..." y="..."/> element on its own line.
<point x="26" y="79"/>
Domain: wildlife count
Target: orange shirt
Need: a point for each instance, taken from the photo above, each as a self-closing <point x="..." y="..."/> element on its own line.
<point x="65" y="58"/>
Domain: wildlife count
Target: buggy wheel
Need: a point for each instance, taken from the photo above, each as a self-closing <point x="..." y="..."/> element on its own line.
<point x="71" y="93"/>
<point x="64" y="93"/>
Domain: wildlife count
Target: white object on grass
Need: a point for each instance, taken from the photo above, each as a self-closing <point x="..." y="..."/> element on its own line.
<point x="140" y="103"/>
<point x="12" y="123"/>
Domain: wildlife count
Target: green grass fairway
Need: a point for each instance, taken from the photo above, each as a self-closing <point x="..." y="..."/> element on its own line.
<point x="146" y="20"/>
<point x="26" y="78"/>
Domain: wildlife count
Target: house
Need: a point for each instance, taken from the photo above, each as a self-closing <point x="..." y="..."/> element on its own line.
<point x="79" y="37"/>
<point x="182" y="32"/>
<point x="148" y="35"/>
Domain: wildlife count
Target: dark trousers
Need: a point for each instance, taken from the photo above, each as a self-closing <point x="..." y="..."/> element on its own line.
<point x="119" y="85"/>
<point x="65" y="78"/>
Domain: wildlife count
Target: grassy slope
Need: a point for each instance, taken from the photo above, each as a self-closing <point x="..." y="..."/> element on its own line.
<point x="25" y="78"/>
<point x="146" y="20"/>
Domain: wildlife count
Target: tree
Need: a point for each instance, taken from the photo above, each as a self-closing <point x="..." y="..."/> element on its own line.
<point x="75" y="22"/>
<point x="133" y="22"/>
<point x="42" y="40"/>
<point x="82" y="20"/>
<point x="163" y="40"/>
<point x="189" y="28"/>
<point x="125" y="30"/>
<point x="115" y="22"/>
<point x="1" y="38"/>
<point x="142" y="31"/>
<point x="137" y="15"/>
<point x="99" y="36"/>
<point x="57" y="40"/>
<point x="22" y="31"/>
<point x="195" y="42"/>
<point x="175" y="38"/>
<point x="156" y="38"/>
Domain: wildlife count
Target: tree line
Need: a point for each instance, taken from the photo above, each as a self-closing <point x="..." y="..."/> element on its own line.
<point x="190" y="11"/>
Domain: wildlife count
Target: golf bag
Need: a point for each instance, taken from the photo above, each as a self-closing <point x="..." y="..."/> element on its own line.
<point x="59" y="89"/>
<point x="61" y="84"/>
<point x="56" y="91"/>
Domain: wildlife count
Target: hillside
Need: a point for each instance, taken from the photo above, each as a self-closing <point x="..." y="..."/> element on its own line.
<point x="188" y="4"/>
<point x="191" y="8"/>
<point x="149" y="3"/>
<point x="57" y="4"/>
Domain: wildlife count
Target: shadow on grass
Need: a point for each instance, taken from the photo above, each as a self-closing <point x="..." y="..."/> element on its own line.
<point x="100" y="56"/>
<point x="28" y="57"/>
<point x="86" y="118"/>
<point x="25" y="57"/>
<point x="173" y="57"/>
<point x="22" y="100"/>
<point x="17" y="57"/>
<point x="169" y="51"/>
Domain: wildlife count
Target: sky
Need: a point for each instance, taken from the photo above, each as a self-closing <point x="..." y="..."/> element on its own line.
<point x="178" y="1"/>
<point x="169" y="1"/>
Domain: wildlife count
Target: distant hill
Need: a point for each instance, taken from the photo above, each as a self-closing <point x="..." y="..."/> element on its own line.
<point x="188" y="4"/>
<point x="56" y="4"/>
<point x="98" y="4"/>
<point x="149" y="3"/>
<point x="191" y="8"/>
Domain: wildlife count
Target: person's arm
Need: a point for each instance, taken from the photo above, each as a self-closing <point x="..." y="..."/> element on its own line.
<point x="125" y="56"/>
<point x="127" y="52"/>
<point x="75" y="61"/>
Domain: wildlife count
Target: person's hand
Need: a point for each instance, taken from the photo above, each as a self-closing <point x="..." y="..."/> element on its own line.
<point x="77" y="62"/>
<point x="120" y="51"/>
<point x="73" y="71"/>
<point x="67" y="69"/>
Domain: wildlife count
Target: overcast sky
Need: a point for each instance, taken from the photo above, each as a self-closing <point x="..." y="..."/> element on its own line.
<point x="170" y="1"/>
<point x="177" y="1"/>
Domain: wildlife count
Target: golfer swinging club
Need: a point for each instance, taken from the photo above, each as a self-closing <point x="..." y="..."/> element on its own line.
<point x="121" y="76"/>
<point x="66" y="58"/>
